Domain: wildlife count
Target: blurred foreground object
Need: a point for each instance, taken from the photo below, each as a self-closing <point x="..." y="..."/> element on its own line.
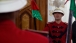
<point x="44" y="33"/>
<point x="9" y="33"/>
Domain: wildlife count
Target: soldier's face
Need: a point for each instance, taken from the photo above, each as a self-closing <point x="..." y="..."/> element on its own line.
<point x="57" y="16"/>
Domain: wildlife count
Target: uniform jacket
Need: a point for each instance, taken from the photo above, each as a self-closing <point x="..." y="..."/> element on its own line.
<point x="9" y="33"/>
<point x="57" y="32"/>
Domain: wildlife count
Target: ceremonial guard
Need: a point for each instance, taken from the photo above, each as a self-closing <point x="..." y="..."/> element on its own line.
<point x="58" y="28"/>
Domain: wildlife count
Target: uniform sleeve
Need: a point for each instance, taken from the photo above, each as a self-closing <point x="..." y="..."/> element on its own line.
<point x="46" y="28"/>
<point x="30" y="37"/>
<point x="37" y="38"/>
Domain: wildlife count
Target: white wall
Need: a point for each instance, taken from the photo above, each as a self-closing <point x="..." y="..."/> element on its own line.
<point x="66" y="11"/>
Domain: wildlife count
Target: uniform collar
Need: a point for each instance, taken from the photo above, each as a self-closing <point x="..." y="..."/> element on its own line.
<point x="59" y="23"/>
<point x="7" y="24"/>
